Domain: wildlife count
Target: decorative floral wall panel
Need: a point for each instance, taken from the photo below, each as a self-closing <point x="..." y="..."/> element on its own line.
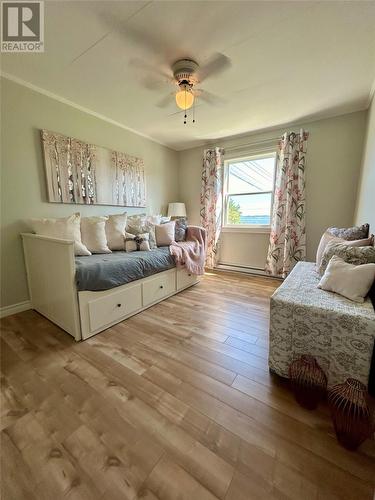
<point x="82" y="173"/>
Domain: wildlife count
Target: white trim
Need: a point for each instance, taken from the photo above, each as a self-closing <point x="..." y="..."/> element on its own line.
<point x="246" y="229"/>
<point x="15" y="308"/>
<point x="47" y="93"/>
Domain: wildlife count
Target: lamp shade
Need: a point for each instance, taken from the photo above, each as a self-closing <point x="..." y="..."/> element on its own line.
<point x="176" y="210"/>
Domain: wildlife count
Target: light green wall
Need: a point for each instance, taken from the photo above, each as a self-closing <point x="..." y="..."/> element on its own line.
<point x="365" y="209"/>
<point x="334" y="154"/>
<point x="23" y="191"/>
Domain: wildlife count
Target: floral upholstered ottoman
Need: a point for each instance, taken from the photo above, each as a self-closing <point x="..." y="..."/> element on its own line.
<point x="339" y="333"/>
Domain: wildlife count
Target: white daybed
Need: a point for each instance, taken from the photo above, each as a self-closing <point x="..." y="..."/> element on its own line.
<point x="51" y="273"/>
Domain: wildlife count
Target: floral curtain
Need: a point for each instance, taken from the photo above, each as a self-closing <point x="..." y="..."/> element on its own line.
<point x="212" y="201"/>
<point x="288" y="235"/>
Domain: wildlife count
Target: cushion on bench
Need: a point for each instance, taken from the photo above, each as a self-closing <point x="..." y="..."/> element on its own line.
<point x="307" y="320"/>
<point x="105" y="271"/>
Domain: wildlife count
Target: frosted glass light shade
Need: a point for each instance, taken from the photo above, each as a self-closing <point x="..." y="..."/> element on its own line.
<point x="184" y="99"/>
<point x="176" y="210"/>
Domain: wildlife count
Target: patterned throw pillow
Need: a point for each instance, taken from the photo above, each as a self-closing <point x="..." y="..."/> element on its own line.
<point x="327" y="238"/>
<point x="350" y="233"/>
<point x="180" y="229"/>
<point x="139" y="224"/>
<point x="134" y="242"/>
<point x="352" y="255"/>
<point x="135" y="221"/>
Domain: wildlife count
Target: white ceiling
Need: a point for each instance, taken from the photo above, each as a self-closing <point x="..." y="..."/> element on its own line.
<point x="291" y="61"/>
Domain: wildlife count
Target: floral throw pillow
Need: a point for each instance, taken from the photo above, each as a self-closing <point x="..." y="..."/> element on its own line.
<point x="350" y="233"/>
<point x="352" y="255"/>
<point x="180" y="229"/>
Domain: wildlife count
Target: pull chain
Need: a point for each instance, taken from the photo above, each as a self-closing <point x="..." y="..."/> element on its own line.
<point x="185" y="116"/>
<point x="194" y="111"/>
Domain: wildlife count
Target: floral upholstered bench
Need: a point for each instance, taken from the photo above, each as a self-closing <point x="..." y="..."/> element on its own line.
<point x="339" y="333"/>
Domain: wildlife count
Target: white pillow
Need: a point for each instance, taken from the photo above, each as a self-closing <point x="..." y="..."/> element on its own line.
<point x="154" y="219"/>
<point x="93" y="234"/>
<point x="66" y="228"/>
<point x="349" y="280"/>
<point x="165" y="233"/>
<point x="115" y="231"/>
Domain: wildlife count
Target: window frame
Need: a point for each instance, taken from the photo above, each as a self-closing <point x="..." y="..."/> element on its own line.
<point x="255" y="228"/>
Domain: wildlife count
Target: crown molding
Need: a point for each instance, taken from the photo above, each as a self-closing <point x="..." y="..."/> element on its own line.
<point x="63" y="100"/>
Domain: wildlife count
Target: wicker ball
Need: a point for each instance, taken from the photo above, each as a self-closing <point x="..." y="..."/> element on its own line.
<point x="350" y="412"/>
<point x="308" y="380"/>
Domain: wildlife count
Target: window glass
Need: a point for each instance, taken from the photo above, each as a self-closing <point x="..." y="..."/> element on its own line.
<point x="249" y="191"/>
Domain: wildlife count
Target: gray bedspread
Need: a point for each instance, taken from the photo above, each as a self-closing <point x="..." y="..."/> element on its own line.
<point x="105" y="271"/>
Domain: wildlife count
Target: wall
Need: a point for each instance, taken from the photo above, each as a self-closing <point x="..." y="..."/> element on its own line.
<point x="333" y="164"/>
<point x="23" y="190"/>
<point x="365" y="208"/>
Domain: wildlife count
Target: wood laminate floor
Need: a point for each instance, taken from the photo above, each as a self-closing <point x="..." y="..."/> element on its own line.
<point x="174" y="403"/>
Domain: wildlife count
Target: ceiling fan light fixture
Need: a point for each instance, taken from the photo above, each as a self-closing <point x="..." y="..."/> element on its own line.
<point x="184" y="98"/>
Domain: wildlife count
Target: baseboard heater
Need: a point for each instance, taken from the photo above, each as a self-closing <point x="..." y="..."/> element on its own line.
<point x="241" y="269"/>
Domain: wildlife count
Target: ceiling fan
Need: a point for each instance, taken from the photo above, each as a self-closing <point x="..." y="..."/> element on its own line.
<point x="185" y="74"/>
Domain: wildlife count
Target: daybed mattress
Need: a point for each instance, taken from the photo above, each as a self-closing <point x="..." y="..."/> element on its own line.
<point x="105" y="271"/>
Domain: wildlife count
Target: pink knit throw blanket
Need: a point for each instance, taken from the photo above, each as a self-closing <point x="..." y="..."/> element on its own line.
<point x="191" y="253"/>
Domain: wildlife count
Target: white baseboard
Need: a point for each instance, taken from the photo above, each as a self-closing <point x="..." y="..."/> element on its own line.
<point x="15" y="308"/>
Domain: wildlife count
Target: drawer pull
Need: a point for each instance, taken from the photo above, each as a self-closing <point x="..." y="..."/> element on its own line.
<point x="189" y="274"/>
<point x="118" y="305"/>
<point x="161" y="286"/>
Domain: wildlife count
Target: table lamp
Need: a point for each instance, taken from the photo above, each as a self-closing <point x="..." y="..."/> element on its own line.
<point x="176" y="210"/>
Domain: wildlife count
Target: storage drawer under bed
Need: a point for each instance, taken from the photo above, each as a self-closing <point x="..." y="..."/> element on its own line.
<point x="185" y="279"/>
<point x="112" y="307"/>
<point x="100" y="310"/>
<point x="158" y="287"/>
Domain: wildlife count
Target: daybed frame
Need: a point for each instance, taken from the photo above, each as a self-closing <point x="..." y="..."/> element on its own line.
<point x="50" y="267"/>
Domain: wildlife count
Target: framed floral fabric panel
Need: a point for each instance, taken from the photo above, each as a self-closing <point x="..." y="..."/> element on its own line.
<point x="82" y="173"/>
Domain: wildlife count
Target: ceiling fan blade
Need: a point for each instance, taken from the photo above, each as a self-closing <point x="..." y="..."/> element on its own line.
<point x="143" y="38"/>
<point x="165" y="101"/>
<point x="217" y="64"/>
<point x="151" y="77"/>
<point x="155" y="70"/>
<point x="209" y="97"/>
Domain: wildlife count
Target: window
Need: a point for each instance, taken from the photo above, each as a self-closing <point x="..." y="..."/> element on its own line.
<point x="248" y="191"/>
